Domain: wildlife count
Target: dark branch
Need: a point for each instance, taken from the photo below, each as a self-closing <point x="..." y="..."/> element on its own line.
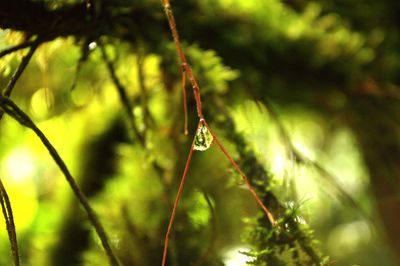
<point x="122" y="94"/>
<point x="14" y="111"/>
<point x="4" y="200"/>
<point x="10" y="225"/>
<point x="16" y="48"/>
<point x="17" y="74"/>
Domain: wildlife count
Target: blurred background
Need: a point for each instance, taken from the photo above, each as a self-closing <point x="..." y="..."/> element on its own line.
<point x="304" y="94"/>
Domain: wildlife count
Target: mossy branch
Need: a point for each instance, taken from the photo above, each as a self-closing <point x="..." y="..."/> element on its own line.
<point x="14" y="111"/>
<point x="263" y="238"/>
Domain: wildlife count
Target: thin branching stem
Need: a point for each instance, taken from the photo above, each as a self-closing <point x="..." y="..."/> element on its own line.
<point x="85" y="52"/>
<point x="7" y="91"/>
<point x="14" y="111"/>
<point x="185" y="113"/>
<point x="177" y="198"/>
<point x="4" y="199"/>
<point x="18" y="72"/>
<point x="331" y="179"/>
<point x="302" y="238"/>
<point x="186" y="70"/>
<point x="16" y="48"/>
<point x="10" y="225"/>
<point x="122" y="94"/>
<point x="245" y="178"/>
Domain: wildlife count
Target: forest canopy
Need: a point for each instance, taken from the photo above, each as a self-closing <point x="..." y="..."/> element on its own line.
<point x="292" y="151"/>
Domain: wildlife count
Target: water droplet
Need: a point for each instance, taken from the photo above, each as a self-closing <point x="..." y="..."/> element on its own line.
<point x="203" y="139"/>
<point x="92" y="45"/>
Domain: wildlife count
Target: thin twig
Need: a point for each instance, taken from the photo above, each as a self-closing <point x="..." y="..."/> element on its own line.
<point x="7" y="91"/>
<point x="245" y="178"/>
<point x="185" y="113"/>
<point x="16" y="48"/>
<point x="18" y="72"/>
<point x="10" y="225"/>
<point x="14" y="111"/>
<point x="177" y="198"/>
<point x="85" y="51"/>
<point x="5" y="202"/>
<point x="126" y="103"/>
<point x="329" y="177"/>
<point x="122" y="94"/>
<point x="301" y="237"/>
<point x="186" y="70"/>
<point x="142" y="85"/>
<point x="332" y="180"/>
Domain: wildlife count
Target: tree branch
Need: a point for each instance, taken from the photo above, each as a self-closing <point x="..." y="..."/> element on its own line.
<point x="16" y="48"/>
<point x="4" y="200"/>
<point x="14" y="111"/>
<point x="10" y="225"/>
<point x="126" y="103"/>
<point x="17" y="74"/>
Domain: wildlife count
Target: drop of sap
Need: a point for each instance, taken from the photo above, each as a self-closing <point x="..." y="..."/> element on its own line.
<point x="203" y="139"/>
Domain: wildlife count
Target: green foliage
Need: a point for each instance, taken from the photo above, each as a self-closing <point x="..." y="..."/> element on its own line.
<point x="288" y="86"/>
<point x="213" y="75"/>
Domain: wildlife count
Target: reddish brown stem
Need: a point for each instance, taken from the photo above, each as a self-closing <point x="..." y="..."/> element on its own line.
<point x="186" y="70"/>
<point x="246" y="180"/>
<point x="182" y="58"/>
<point x="177" y="198"/>
<point x="184" y="101"/>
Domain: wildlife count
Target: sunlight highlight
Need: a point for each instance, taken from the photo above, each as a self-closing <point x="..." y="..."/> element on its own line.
<point x="234" y="256"/>
<point x="20" y="165"/>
